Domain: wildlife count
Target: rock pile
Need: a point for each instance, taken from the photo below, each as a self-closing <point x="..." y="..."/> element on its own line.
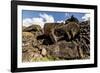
<point x="56" y="41"/>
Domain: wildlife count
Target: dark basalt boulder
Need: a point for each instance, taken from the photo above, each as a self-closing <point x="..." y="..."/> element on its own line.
<point x="66" y="50"/>
<point x="85" y="38"/>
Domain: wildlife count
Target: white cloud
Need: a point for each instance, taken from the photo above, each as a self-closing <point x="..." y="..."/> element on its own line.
<point x="41" y="20"/>
<point x="38" y="21"/>
<point x="30" y="21"/>
<point x="47" y="18"/>
<point x="61" y="21"/>
<point x="27" y="22"/>
<point x="86" y="17"/>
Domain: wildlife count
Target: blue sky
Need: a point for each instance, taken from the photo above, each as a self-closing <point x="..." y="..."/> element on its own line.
<point x="49" y="16"/>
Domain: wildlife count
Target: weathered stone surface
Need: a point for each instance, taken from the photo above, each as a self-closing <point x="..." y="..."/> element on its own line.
<point x="68" y="50"/>
<point x="32" y="28"/>
<point x="85" y="38"/>
<point x="27" y="38"/>
<point x="58" y="31"/>
<point x="43" y="52"/>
